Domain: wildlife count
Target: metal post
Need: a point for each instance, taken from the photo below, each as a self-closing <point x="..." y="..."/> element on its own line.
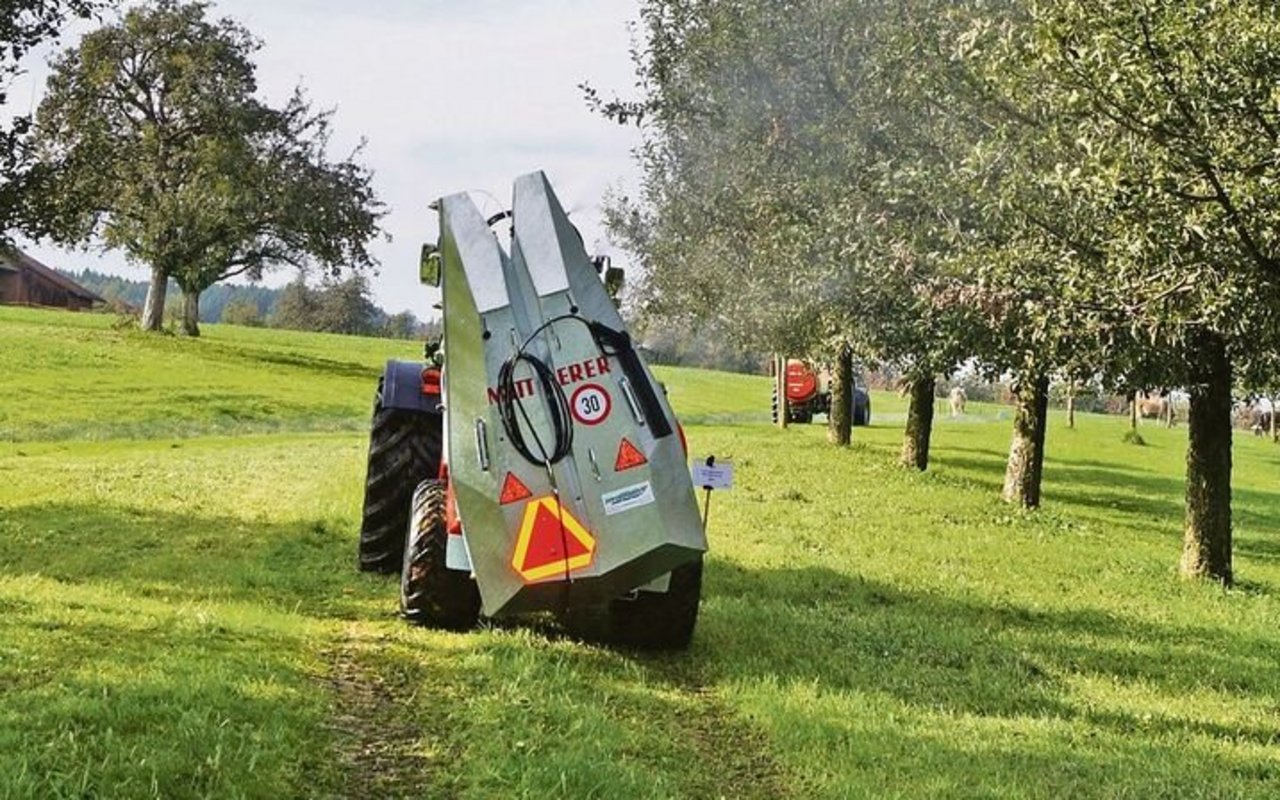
<point x="780" y="384"/>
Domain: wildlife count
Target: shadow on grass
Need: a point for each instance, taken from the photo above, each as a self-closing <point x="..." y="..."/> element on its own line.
<point x="108" y="696"/>
<point x="306" y="566"/>
<point x="257" y="356"/>
<point x="1091" y="484"/>
<point x="945" y="659"/>
<point x="981" y="658"/>
<point x="817" y="652"/>
<point x="393" y="694"/>
<point x="870" y="685"/>
<point x="948" y="656"/>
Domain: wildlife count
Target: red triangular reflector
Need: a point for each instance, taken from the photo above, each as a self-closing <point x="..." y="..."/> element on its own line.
<point x="548" y="543"/>
<point x="629" y="457"/>
<point x="513" y="490"/>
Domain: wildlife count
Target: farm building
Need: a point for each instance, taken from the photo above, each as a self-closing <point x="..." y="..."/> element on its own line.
<point x="25" y="281"/>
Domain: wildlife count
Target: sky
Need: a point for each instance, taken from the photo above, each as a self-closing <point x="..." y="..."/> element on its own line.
<point x="448" y="96"/>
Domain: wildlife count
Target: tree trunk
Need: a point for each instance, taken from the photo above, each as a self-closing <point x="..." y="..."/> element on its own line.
<point x="191" y="312"/>
<point x="1275" y="412"/>
<point x="840" y="415"/>
<point x="1206" y="550"/>
<point x="1071" y="406"/>
<point x="153" y="310"/>
<point x="1025" y="469"/>
<point x="1133" y="411"/>
<point x="915" y="444"/>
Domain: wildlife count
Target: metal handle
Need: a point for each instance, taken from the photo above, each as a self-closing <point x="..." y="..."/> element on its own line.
<point x="595" y="467"/>
<point x="482" y="444"/>
<point x="632" y="401"/>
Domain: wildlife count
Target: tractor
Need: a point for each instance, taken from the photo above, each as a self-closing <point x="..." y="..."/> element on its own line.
<point x="531" y="463"/>
<point x="808" y="392"/>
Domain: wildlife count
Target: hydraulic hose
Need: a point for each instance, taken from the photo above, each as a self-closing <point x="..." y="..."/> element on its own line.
<point x="511" y="410"/>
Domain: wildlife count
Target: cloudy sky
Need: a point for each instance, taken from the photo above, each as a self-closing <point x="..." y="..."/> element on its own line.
<point x="450" y="96"/>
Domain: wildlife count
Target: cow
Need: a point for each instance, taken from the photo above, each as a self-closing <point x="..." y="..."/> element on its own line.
<point x="1256" y="416"/>
<point x="958" y="399"/>
<point x="1157" y="407"/>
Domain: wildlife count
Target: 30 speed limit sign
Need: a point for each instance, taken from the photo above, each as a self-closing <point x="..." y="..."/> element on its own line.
<point x="591" y="404"/>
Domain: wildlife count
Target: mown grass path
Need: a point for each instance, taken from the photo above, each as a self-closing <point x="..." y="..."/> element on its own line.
<point x="181" y="617"/>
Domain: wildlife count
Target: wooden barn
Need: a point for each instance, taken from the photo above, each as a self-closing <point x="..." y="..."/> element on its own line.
<point x="26" y="282"/>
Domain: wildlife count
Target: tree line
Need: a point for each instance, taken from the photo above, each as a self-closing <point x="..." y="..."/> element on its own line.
<point x="344" y="306"/>
<point x="1073" y="192"/>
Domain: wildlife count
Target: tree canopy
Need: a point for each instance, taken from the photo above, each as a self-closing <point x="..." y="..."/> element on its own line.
<point x="158" y="145"/>
<point x="24" y="25"/>
<point x="1076" y="188"/>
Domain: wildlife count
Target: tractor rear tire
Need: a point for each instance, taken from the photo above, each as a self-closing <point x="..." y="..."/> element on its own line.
<point x="404" y="448"/>
<point x="660" y="620"/>
<point x="861" y="409"/>
<point x="431" y="594"/>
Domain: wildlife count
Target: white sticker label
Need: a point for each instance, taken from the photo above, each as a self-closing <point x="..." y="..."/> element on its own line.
<point x="626" y="499"/>
<point x="719" y="476"/>
<point x="591" y="404"/>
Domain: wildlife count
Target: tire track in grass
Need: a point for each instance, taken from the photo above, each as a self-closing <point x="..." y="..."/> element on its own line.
<point x="738" y="755"/>
<point x="383" y="747"/>
<point x="392" y="744"/>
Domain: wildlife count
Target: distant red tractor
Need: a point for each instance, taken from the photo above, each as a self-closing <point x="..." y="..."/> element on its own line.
<point x="809" y="393"/>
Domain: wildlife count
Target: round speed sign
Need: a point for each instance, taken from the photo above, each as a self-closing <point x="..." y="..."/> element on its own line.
<point x="591" y="404"/>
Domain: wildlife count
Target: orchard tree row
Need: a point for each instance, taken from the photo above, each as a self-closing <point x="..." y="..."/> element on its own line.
<point x="1072" y="190"/>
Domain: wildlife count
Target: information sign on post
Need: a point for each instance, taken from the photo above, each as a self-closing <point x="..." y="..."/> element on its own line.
<point x="711" y="474"/>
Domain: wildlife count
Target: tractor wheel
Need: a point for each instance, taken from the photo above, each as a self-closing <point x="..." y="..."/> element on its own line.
<point x="660" y="621"/>
<point x="431" y="594"/>
<point x="404" y="448"/>
<point x="802" y="415"/>
<point x="861" y="409"/>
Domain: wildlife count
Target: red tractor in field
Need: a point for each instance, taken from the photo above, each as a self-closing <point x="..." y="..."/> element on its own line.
<point x="808" y="392"/>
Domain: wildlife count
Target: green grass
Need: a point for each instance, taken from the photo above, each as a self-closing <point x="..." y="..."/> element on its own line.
<point x="77" y="377"/>
<point x="180" y="615"/>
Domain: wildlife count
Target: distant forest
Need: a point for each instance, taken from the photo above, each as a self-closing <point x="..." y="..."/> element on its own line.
<point x="122" y="292"/>
<point x="343" y="307"/>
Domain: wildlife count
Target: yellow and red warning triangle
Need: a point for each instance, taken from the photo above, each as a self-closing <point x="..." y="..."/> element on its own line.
<point x="629" y="457"/>
<point x="513" y="490"/>
<point x="551" y="542"/>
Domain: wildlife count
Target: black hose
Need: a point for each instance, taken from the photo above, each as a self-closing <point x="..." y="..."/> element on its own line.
<point x="609" y="342"/>
<point x="510" y="404"/>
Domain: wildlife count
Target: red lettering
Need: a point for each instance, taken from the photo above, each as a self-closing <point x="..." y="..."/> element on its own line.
<point x="563" y="375"/>
<point x="589" y="367"/>
<point x="575" y="373"/>
<point x="602" y="365"/>
<point x="523" y="388"/>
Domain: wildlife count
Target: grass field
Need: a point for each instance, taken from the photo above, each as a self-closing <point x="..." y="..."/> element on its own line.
<point x="180" y="615"/>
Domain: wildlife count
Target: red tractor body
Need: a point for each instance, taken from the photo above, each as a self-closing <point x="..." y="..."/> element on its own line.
<point x="808" y="392"/>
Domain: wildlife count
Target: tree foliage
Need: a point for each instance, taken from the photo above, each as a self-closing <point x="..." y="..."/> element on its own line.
<point x="158" y="145"/>
<point x="1076" y="188"/>
<point x="243" y="311"/>
<point x="24" y="25"/>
